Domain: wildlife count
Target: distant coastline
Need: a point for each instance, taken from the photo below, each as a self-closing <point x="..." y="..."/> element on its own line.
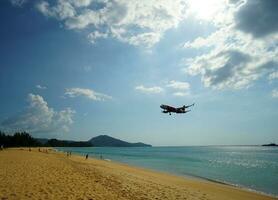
<point x="24" y="139"/>
<point x="98" y="141"/>
<point x="270" y="145"/>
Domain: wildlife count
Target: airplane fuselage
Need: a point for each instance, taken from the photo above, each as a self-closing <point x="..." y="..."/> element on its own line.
<point x="168" y="108"/>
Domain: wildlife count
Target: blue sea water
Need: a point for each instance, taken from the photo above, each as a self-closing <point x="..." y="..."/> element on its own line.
<point x="252" y="167"/>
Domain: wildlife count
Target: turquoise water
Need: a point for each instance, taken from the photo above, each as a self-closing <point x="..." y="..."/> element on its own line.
<point x="252" y="167"/>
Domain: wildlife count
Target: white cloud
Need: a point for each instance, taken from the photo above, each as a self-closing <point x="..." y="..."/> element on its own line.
<point x="180" y="94"/>
<point x="273" y="76"/>
<point x="137" y="22"/>
<point x="274" y="93"/>
<point x="211" y="10"/>
<point x="88" y="93"/>
<point x="93" y="36"/>
<point x="81" y="3"/>
<point x="38" y="117"/>
<point x="63" y="10"/>
<point x="149" y="90"/>
<point x="179" y="85"/>
<point x="18" y="2"/>
<point x="144" y="39"/>
<point x="88" y="17"/>
<point x="41" y="87"/>
<point x="234" y="59"/>
<point x="180" y="88"/>
<point x="43" y="7"/>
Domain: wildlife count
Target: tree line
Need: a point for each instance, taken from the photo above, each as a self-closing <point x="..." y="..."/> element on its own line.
<point x="24" y="139"/>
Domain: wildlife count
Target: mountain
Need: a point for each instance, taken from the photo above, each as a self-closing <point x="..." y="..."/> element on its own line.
<point x="42" y="140"/>
<point x="107" y="141"/>
<point x="99" y="141"/>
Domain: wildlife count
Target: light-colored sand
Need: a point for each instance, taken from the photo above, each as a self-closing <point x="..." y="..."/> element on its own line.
<point x="38" y="175"/>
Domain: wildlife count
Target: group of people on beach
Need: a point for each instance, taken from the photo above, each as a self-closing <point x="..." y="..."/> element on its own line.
<point x="69" y="154"/>
<point x="44" y="150"/>
<point x="86" y="155"/>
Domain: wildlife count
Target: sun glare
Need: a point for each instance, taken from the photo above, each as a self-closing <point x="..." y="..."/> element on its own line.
<point x="205" y="9"/>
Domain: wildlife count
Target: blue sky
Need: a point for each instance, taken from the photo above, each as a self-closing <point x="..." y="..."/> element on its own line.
<point x="77" y="69"/>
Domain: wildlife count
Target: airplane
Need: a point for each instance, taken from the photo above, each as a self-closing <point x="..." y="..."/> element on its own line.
<point x="170" y="109"/>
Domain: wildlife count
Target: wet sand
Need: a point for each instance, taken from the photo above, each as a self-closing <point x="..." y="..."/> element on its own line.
<point x="52" y="175"/>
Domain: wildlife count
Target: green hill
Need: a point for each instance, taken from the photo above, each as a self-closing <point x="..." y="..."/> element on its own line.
<point x="107" y="141"/>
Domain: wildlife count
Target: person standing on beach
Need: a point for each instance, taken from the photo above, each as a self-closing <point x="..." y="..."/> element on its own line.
<point x="86" y="156"/>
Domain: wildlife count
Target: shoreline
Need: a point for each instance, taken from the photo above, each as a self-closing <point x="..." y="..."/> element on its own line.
<point x="231" y="185"/>
<point x="186" y="176"/>
<point x="53" y="175"/>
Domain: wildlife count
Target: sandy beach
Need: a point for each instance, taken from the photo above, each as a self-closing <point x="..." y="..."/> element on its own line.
<point x="52" y="175"/>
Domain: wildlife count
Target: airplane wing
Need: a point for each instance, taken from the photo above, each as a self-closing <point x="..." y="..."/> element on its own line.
<point x="188" y="106"/>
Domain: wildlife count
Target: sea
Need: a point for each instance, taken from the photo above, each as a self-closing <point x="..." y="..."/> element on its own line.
<point x="250" y="167"/>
